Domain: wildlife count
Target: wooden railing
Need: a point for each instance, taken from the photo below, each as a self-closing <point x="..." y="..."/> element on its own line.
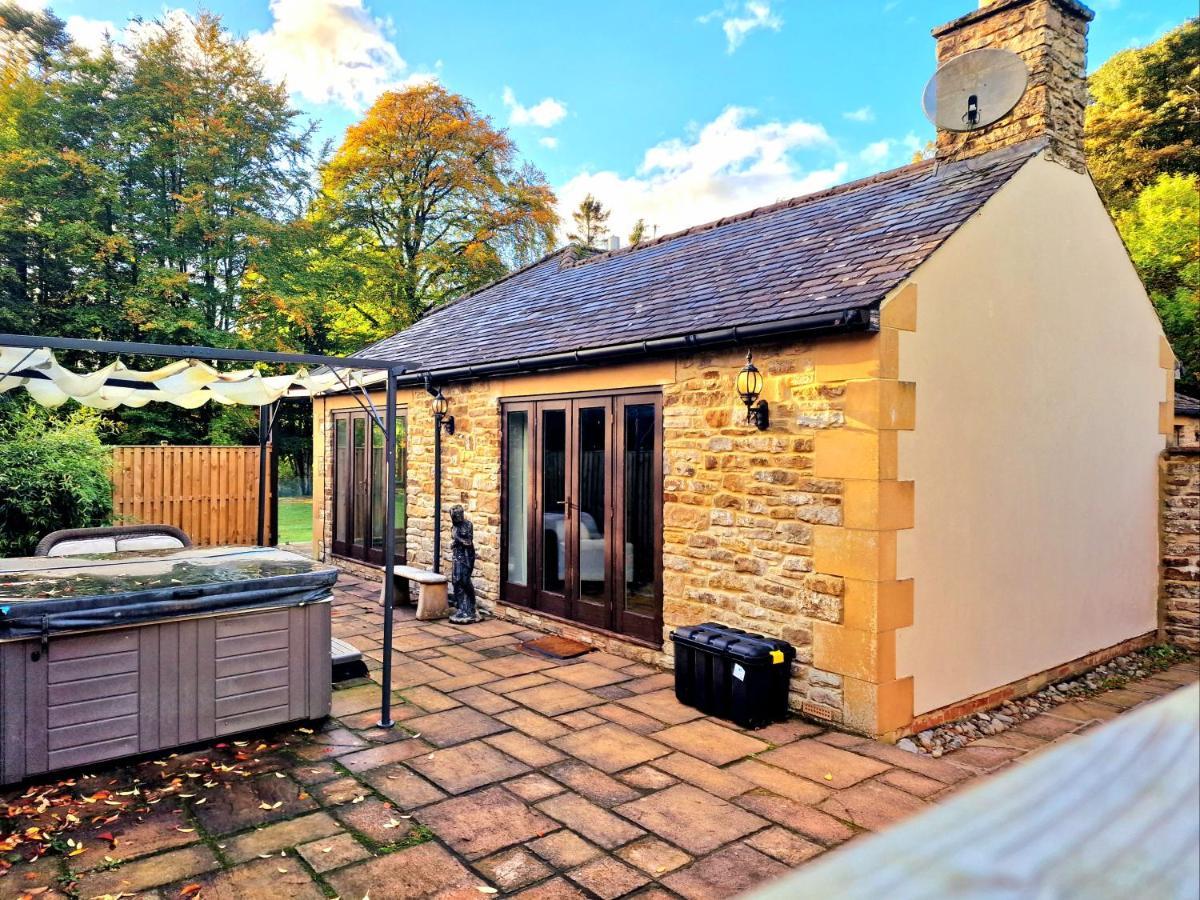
<point x="209" y="492"/>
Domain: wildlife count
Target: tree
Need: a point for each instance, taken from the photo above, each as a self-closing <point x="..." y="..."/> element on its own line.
<point x="54" y="473"/>
<point x="137" y="186"/>
<point x="1141" y="137"/>
<point x="1162" y="231"/>
<point x="590" y="218"/>
<point x="428" y="200"/>
<point x="638" y="232"/>
<point x="1144" y="118"/>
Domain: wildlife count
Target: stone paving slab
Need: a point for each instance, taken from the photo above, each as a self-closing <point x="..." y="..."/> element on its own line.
<point x="485" y="822"/>
<point x="427" y="870"/>
<point x="531" y="777"/>
<point x="689" y="818"/>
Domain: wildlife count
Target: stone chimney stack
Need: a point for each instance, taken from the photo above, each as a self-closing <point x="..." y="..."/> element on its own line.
<point x="1051" y="37"/>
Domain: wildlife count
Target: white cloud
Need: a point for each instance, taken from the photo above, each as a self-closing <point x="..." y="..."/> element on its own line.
<point x="550" y="143"/>
<point x="862" y="114"/>
<point x="895" y="151"/>
<point x="738" y="21"/>
<point x="726" y="167"/>
<point x="876" y="152"/>
<point x="91" y="34"/>
<point x="544" y="114"/>
<point x="332" y="51"/>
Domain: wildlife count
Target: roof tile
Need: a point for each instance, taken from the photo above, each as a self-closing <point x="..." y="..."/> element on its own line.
<point x="841" y="249"/>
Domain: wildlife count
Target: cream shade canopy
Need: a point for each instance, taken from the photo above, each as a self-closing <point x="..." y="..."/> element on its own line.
<point x="188" y="383"/>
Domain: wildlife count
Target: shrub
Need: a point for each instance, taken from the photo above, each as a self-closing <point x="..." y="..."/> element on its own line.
<point x="54" y="473"/>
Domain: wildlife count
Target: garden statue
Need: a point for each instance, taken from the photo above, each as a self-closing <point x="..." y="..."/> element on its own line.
<point x="462" y="548"/>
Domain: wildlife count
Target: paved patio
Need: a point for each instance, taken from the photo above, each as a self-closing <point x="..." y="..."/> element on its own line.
<point x="510" y="774"/>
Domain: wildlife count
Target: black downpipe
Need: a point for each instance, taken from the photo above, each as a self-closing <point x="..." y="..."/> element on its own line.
<point x="437" y="495"/>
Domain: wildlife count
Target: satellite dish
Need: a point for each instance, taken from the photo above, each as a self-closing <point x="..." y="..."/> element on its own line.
<point x="975" y="89"/>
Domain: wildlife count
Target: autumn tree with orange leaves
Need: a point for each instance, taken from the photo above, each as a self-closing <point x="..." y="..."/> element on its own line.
<point x="429" y="200"/>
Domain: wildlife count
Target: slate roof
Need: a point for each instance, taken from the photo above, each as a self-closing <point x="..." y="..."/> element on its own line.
<point x="1186" y="406"/>
<point x="841" y="249"/>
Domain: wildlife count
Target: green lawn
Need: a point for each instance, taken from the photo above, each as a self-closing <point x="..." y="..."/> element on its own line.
<point x="295" y="519"/>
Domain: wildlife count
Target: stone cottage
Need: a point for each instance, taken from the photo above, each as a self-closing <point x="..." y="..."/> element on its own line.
<point x="953" y="494"/>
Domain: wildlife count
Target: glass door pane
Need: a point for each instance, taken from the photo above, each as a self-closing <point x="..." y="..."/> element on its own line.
<point x="516" y="499"/>
<point x="593" y="515"/>
<point x="341" y="483"/>
<point x="378" y="490"/>
<point x="401" y="487"/>
<point x="554" y="500"/>
<point x="358" y="454"/>
<point x="640" y="493"/>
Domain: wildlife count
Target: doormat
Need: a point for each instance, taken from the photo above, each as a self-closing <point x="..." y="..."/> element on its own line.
<point x="557" y="647"/>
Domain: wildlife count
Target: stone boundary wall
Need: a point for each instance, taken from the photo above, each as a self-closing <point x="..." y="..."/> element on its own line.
<point x="1179" y="592"/>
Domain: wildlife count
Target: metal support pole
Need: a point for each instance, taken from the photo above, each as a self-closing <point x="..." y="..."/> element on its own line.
<point x="437" y="493"/>
<point x="264" y="437"/>
<point x="389" y="552"/>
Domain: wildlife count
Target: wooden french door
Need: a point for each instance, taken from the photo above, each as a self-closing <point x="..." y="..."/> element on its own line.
<point x="360" y="486"/>
<point x="582" y="510"/>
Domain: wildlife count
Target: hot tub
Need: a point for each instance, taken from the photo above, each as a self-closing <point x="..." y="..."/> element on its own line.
<point x="127" y="653"/>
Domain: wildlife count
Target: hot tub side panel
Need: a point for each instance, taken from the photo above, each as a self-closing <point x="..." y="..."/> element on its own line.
<point x="92" y="697"/>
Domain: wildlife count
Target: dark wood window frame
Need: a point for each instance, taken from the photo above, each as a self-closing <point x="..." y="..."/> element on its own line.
<point x="606" y="607"/>
<point x="356" y="504"/>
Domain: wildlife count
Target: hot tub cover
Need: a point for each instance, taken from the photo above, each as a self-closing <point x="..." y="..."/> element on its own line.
<point x="49" y="595"/>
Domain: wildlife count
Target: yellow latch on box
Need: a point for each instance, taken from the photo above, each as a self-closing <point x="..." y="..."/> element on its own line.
<point x="776" y="656"/>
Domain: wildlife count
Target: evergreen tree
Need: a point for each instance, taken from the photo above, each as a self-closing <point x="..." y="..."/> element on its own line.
<point x="638" y="233"/>
<point x="590" y="219"/>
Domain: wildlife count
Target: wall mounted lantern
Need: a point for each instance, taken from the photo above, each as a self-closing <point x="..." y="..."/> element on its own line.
<point x="441" y="406"/>
<point x="749" y="386"/>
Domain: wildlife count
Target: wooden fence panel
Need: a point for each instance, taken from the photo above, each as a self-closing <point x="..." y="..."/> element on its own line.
<point x="209" y="492"/>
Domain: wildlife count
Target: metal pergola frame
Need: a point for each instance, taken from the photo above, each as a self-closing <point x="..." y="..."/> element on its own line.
<point x="392" y="369"/>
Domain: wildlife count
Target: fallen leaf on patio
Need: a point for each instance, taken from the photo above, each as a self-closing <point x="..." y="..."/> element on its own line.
<point x="185" y="830"/>
<point x="326" y="849"/>
<point x="828" y="776"/>
<point x="305" y="730"/>
<point x="265" y="855"/>
<point x="280" y="775"/>
<point x="391" y="823"/>
<point x="201" y="800"/>
<point x="281" y="870"/>
<point x="484" y="889"/>
<point x="189" y="890"/>
<point x="406" y="817"/>
<point x="359" y="799"/>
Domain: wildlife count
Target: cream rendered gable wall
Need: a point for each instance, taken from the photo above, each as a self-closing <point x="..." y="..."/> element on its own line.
<point x="1038" y="385"/>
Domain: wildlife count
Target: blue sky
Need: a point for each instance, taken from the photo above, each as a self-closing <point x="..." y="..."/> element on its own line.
<point x="675" y="111"/>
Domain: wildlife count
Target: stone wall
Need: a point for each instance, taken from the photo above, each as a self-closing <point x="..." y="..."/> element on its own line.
<point x="1180" y="530"/>
<point x="1051" y="37"/>
<point x="746" y="512"/>
<point x="740" y="505"/>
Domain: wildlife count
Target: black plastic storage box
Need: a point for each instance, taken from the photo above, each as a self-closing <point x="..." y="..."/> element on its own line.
<point x="732" y="674"/>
